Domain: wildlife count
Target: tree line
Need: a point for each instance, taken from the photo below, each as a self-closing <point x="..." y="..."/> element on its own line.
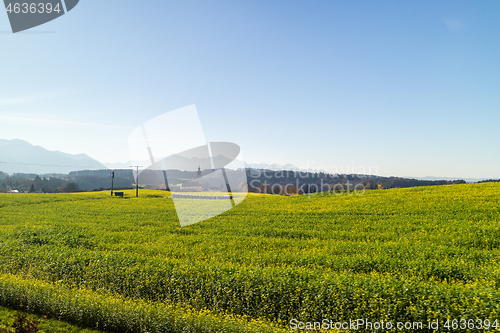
<point x="290" y="182"/>
<point x="259" y="181"/>
<point x="34" y="183"/>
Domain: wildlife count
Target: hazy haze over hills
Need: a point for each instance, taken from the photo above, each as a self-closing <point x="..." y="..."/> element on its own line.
<point x="18" y="156"/>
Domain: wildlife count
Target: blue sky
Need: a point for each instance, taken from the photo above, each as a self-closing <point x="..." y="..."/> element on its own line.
<point x="407" y="88"/>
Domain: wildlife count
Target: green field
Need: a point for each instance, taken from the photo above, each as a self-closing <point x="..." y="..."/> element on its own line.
<point x="125" y="265"/>
<point x="46" y="325"/>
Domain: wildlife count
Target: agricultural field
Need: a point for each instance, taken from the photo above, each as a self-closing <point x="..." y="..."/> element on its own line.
<point x="44" y="324"/>
<point x="125" y="265"/>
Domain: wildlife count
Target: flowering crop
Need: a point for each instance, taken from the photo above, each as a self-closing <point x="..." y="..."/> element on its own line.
<point x="403" y="254"/>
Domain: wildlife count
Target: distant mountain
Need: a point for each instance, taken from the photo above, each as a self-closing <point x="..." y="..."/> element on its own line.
<point x="18" y="156"/>
<point x="175" y="162"/>
<point x="274" y="167"/>
<point x="191" y="164"/>
<point x="119" y="165"/>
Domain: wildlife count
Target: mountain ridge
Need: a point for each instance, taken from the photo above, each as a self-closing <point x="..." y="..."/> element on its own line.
<point x="19" y="156"/>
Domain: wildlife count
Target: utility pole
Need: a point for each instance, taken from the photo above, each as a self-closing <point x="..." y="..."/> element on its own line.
<point x="136" y="180"/>
<point x="112" y="179"/>
<point x="227" y="187"/>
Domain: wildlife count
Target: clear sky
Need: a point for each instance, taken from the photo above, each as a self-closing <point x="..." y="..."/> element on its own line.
<point x="410" y="88"/>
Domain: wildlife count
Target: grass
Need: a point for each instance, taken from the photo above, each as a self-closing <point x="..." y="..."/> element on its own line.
<point x="414" y="254"/>
<point x="46" y="325"/>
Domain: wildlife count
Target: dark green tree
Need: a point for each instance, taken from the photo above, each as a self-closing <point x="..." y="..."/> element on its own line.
<point x="8" y="180"/>
<point x="72" y="187"/>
